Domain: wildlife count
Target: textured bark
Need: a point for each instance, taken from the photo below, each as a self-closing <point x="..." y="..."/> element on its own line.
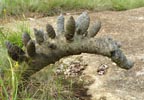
<point x="75" y="40"/>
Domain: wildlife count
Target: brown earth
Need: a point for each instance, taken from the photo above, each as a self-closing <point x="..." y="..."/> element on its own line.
<point x="126" y="27"/>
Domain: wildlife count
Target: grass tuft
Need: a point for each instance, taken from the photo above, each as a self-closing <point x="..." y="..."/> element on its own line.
<point x="9" y="73"/>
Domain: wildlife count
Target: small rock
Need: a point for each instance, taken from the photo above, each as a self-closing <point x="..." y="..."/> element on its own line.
<point x="102" y="69"/>
<point x="31" y="19"/>
<point x="114" y="64"/>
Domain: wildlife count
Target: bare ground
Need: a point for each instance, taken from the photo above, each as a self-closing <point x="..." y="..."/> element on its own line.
<point x="126" y="27"/>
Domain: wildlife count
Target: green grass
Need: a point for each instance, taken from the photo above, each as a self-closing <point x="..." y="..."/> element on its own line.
<point x="9" y="73"/>
<point x="9" y="84"/>
<point x="127" y="4"/>
<point x="14" y="36"/>
<point x="51" y="7"/>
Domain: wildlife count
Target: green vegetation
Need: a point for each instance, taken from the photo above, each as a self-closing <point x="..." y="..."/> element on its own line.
<point x="50" y="7"/>
<point x="14" y="36"/>
<point x="12" y="84"/>
<point x="126" y="4"/>
<point x="9" y="73"/>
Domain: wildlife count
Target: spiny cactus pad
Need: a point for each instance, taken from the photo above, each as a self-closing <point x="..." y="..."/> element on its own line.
<point x="77" y="37"/>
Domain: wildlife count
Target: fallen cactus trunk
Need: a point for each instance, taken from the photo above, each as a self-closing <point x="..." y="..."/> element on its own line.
<point x="77" y="37"/>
